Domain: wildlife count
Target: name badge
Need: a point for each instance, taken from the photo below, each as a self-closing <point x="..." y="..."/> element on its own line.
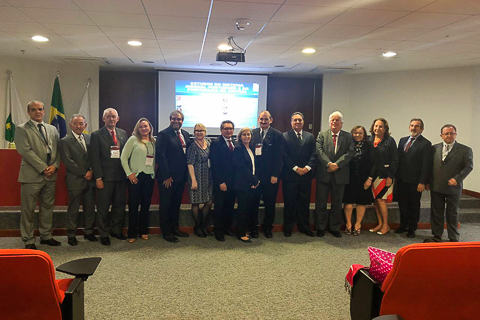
<point x="115" y="152"/>
<point x="184" y="150"/>
<point x="258" y="149"/>
<point x="149" y="160"/>
<point x="208" y="163"/>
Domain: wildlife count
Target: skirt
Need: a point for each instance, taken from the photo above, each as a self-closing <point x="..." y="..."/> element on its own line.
<point x="381" y="191"/>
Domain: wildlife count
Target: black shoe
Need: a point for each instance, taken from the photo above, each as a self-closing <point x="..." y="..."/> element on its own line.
<point x="309" y="233"/>
<point x="434" y="239"/>
<point x="90" y="237"/>
<point x="199" y="232"/>
<point x="31" y="246"/>
<point x="180" y="234"/>
<point x="171" y="238"/>
<point x="320" y="233"/>
<point x="287" y="234"/>
<point x="254" y="234"/>
<point x="336" y="234"/>
<point x="73" y="241"/>
<point x="119" y="236"/>
<point x="51" y="242"/>
<point x="268" y="233"/>
<point x="229" y="233"/>
<point x="105" y="241"/>
<point x="246" y="241"/>
<point x="453" y="240"/>
<point x="400" y="230"/>
<point x="411" y="234"/>
<point x="220" y="237"/>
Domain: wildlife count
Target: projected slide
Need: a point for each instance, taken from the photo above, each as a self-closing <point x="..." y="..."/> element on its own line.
<point x="212" y="102"/>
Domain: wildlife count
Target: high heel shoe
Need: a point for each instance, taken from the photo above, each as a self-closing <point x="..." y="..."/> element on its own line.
<point x="380" y="232"/>
<point x="348" y="231"/>
<point x="247" y="240"/>
<point x="357" y="232"/>
<point x="376" y="229"/>
<point x="145" y="236"/>
<point x="199" y="232"/>
<point x="131" y="240"/>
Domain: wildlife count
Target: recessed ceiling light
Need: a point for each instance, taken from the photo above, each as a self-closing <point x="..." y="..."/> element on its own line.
<point x="224" y="47"/>
<point x="40" y="39"/>
<point x="389" y="54"/>
<point x="309" y="50"/>
<point x="135" y="43"/>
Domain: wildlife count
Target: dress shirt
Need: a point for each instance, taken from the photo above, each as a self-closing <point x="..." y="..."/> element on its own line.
<point x="47" y="147"/>
<point x="81" y="139"/>
<point x="408" y="141"/>
<point x="226" y="142"/>
<point x="250" y="153"/>
<point x="336" y="144"/>
<point x="115" y="133"/>
<point x="265" y="134"/>
<point x="444" y="150"/>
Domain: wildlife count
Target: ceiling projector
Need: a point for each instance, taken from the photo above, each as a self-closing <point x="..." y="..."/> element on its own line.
<point x="231" y="56"/>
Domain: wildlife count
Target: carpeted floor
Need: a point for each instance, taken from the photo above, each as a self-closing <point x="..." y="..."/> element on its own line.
<point x="278" y="278"/>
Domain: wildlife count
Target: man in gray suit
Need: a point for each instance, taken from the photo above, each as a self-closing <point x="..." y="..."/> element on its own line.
<point x="79" y="179"/>
<point x="37" y="143"/>
<point x="334" y="150"/>
<point x="452" y="162"/>
<point x="106" y="146"/>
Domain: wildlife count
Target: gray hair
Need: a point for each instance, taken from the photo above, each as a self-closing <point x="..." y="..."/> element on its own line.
<point x="267" y="112"/>
<point x="336" y="114"/>
<point x="77" y="115"/>
<point x="109" y="110"/>
<point x="176" y="112"/>
<point x="34" y="102"/>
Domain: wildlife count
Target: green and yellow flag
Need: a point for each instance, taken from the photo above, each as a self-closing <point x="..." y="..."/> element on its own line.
<point x="57" y="114"/>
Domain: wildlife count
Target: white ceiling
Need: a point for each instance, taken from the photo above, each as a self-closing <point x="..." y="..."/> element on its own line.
<point x="184" y="34"/>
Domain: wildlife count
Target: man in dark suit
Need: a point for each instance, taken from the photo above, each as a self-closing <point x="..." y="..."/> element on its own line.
<point x="298" y="164"/>
<point x="37" y="143"/>
<point x="334" y="150"/>
<point x="171" y="148"/>
<point x="268" y="144"/>
<point x="106" y="146"/>
<point x="415" y="161"/>
<point x="452" y="162"/>
<point x="79" y="179"/>
<point x="221" y="157"/>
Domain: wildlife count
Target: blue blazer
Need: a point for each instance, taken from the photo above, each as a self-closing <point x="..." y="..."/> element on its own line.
<point x="244" y="177"/>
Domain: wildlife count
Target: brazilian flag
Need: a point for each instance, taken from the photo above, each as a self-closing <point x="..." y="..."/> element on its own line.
<point x="9" y="129"/>
<point x="57" y="114"/>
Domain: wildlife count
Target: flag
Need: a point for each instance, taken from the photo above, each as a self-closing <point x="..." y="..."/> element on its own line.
<point x="15" y="113"/>
<point x="57" y="115"/>
<point x="85" y="109"/>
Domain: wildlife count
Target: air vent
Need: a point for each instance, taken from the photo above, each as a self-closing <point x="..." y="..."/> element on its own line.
<point x="334" y="70"/>
<point x="96" y="60"/>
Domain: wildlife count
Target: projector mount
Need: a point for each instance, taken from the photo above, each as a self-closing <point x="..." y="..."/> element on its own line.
<point x="235" y="54"/>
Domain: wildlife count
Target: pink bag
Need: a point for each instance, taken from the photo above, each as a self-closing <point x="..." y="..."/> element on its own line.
<point x="381" y="263"/>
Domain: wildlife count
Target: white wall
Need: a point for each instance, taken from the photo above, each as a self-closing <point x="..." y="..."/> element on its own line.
<point x="437" y="96"/>
<point x="34" y="80"/>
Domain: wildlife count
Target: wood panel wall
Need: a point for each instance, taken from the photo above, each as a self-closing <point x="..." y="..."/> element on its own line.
<point x="132" y="94"/>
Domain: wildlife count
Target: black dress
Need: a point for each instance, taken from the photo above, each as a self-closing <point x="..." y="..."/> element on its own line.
<point x="360" y="167"/>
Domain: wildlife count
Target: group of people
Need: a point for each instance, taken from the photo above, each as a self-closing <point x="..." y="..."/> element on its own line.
<point x="354" y="168"/>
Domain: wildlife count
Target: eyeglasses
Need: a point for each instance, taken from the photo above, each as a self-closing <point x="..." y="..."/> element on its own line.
<point x="198" y="131"/>
<point x="449" y="134"/>
<point x="227" y="129"/>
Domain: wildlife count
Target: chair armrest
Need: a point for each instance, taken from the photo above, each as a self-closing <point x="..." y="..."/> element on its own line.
<point x="366" y="297"/>
<point x="389" y="317"/>
<point x="82" y="268"/>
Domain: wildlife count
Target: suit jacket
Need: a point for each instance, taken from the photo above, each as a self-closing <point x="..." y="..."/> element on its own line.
<point x="298" y="153"/>
<point x="172" y="161"/>
<point x="385" y="158"/>
<point x="326" y="153"/>
<point x="269" y="164"/>
<point x="458" y="164"/>
<point x="221" y="159"/>
<point x="414" y="166"/>
<point x="244" y="177"/>
<point x="77" y="161"/>
<point x="105" y="167"/>
<point x="33" y="149"/>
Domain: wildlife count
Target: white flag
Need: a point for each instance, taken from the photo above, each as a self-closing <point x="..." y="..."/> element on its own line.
<point x="85" y="109"/>
<point x="15" y="112"/>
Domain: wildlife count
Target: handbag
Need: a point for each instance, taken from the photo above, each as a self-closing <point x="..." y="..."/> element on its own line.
<point x="381" y="263"/>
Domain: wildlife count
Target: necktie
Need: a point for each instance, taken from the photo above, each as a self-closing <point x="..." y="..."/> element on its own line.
<point x="181" y="139"/>
<point x="263" y="134"/>
<point x="230" y="145"/>
<point x="114" y="137"/>
<point x="445" y="154"/>
<point x="299" y="136"/>
<point x="335" y="143"/>
<point x="40" y="128"/>
<point x="409" y="144"/>
<point x="80" y="139"/>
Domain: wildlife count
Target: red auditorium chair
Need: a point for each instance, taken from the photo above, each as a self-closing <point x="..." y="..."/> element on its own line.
<point x="29" y="290"/>
<point x="429" y="281"/>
